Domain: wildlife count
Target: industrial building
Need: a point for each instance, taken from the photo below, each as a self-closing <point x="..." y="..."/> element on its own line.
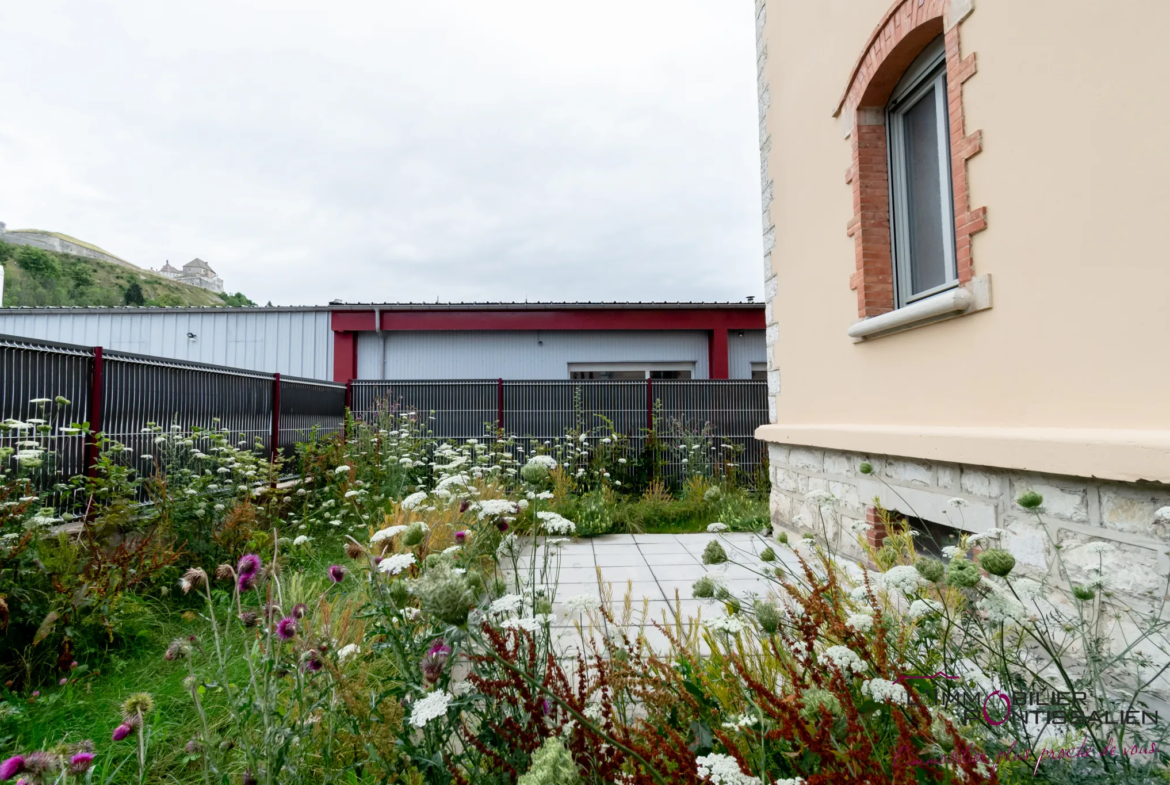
<point x="408" y="341"/>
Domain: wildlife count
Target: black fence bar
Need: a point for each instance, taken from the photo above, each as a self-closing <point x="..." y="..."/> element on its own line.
<point x="693" y="414"/>
<point x="48" y="388"/>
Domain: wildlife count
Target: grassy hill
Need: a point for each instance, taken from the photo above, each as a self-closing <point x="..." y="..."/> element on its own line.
<point x="33" y="276"/>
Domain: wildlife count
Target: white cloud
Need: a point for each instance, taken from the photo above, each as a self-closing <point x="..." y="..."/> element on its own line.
<point x="394" y="150"/>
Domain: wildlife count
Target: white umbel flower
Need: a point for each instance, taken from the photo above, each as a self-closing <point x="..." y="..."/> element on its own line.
<point x="860" y="622"/>
<point x="583" y="603"/>
<point x="392" y="565"/>
<point x="547" y="461"/>
<point x="509" y="603"/>
<point x="845" y="658"/>
<point x="920" y="608"/>
<point x="302" y="539"/>
<point x="1099" y="548"/>
<point x="426" y="709"/>
<point x="387" y="533"/>
<point x="884" y="691"/>
<point x="347" y="651"/>
<point x="716" y="527"/>
<point x="1163" y="513"/>
<point x="340" y="470"/>
<point x="414" y="500"/>
<point x="904" y="578"/>
<point x="732" y="625"/>
<point x="555" y="524"/>
<point x="494" y="507"/>
<point x="723" y="770"/>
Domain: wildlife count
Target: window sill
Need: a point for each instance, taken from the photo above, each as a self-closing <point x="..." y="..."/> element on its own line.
<point x="970" y="298"/>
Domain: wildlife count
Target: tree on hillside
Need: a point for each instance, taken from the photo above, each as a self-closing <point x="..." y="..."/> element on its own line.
<point x="133" y="295"/>
<point x="237" y="300"/>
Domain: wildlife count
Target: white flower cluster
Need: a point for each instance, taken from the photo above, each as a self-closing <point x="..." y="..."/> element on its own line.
<point x="428" y="708"/>
<point x="821" y="498"/>
<point x="387" y="533"/>
<point x="1099" y="548"/>
<point x="414" y="500"/>
<point x="1027" y="588"/>
<point x="884" y="691"/>
<point x="723" y="770"/>
<point x="302" y="540"/>
<point x="732" y="625"/>
<point x="509" y="603"/>
<point x="547" y="461"/>
<point x="555" y="524"/>
<point x="490" y="508"/>
<point x="845" y="658"/>
<point x="528" y="623"/>
<point x="999" y="609"/>
<point x="904" y="578"/>
<point x="395" y="564"/>
<point x="920" y="608"/>
<point x="860" y="621"/>
<point x="742" y="721"/>
<point x="347" y="651"/>
<point x="717" y="527"/>
<point x="583" y="603"/>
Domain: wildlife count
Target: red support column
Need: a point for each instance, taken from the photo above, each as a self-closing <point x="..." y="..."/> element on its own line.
<point x="344" y="356"/>
<point x="275" y="415"/>
<point x="500" y="404"/>
<point x="95" y="413"/>
<point x="717" y="359"/>
<point x="349" y="394"/>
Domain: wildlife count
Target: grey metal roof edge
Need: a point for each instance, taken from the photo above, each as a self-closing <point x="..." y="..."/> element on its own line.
<point x="529" y="306"/>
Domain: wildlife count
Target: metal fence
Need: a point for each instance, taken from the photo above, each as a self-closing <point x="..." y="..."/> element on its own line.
<point x="681" y="413"/>
<point x="48" y="388"/>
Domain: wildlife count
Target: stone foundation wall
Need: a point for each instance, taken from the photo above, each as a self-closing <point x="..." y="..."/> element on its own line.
<point x="1076" y="511"/>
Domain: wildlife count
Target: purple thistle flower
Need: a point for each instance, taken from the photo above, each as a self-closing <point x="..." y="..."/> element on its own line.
<point x="502" y="525"/>
<point x="300" y="610"/>
<point x="63" y="682"/>
<point x="435" y="660"/>
<point x="545" y="707"/>
<point x="36" y="693"/>
<point x="464" y="506"/>
<point x="11" y="767"/>
<point x="247" y="581"/>
<point x="460" y="537"/>
<point x="249" y="564"/>
<point x="286" y="628"/>
<point x="80" y="762"/>
<point x="313" y="663"/>
<point x="336" y="573"/>
<point x="121" y="732"/>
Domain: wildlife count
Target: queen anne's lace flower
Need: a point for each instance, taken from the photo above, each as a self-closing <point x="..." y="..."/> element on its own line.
<point x="583" y="603"/>
<point x="997" y="608"/>
<point x="547" y="461"/>
<point x="490" y="508"/>
<point x="528" y="623"/>
<point x="1099" y="547"/>
<point x="302" y="539"/>
<point x="884" y="691"/>
<point x="395" y="564"/>
<point x="555" y="524"/>
<point x="723" y="770"/>
<point x="347" y="651"/>
<point x="509" y="603"/>
<point x="860" y="622"/>
<point x="729" y="624"/>
<point x="717" y="527"/>
<point x="920" y="608"/>
<point x="904" y="578"/>
<point x="1027" y="588"/>
<point x="387" y="533"/>
<point x="845" y="658"/>
<point x="414" y="500"/>
<point x="428" y="708"/>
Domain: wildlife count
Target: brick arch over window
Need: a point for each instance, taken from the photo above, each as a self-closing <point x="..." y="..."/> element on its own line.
<point x="902" y="34"/>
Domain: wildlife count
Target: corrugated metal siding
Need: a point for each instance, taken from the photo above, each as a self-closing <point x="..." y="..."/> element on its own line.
<point x="522" y="355"/>
<point x="298" y="343"/>
<point x="742" y="352"/>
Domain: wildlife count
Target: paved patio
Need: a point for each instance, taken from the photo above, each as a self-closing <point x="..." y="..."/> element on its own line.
<point x="653" y="569"/>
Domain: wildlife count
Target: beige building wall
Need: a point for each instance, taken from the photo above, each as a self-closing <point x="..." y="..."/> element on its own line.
<point x="1069" y="371"/>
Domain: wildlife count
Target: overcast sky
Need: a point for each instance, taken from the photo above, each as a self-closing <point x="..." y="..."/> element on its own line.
<point x="394" y="150"/>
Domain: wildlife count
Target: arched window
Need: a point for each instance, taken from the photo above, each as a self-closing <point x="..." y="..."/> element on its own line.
<point x="922" y="226"/>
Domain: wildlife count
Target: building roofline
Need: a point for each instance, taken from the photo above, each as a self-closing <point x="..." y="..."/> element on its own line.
<point x="500" y="306"/>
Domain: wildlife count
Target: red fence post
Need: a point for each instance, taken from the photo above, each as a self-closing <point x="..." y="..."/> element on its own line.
<point x="275" y="415"/>
<point x="500" y="404"/>
<point x="95" y="413"/>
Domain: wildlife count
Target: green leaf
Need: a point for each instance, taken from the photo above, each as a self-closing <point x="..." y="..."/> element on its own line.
<point x="46" y="627"/>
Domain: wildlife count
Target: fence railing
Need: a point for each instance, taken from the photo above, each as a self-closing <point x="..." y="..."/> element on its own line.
<point x="118" y="393"/>
<point x="727" y="411"/>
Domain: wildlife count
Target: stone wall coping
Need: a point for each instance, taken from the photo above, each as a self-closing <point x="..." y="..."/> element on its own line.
<point x="1126" y="455"/>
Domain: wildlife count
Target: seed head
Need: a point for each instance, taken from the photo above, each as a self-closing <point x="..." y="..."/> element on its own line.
<point x="930" y="569"/>
<point x="138" y="704"/>
<point x="224" y="572"/>
<point x="353" y="550"/>
<point x="1030" y="500"/>
<point x="714" y="553"/>
<point x="249" y="619"/>
<point x="194" y="578"/>
<point x="997" y="562"/>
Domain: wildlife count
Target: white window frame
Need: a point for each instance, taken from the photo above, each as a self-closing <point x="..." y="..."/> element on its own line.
<point x="927" y="72"/>
<point x="645" y="368"/>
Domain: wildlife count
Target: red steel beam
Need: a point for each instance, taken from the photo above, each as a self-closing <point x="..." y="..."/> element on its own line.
<point x="617" y="319"/>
